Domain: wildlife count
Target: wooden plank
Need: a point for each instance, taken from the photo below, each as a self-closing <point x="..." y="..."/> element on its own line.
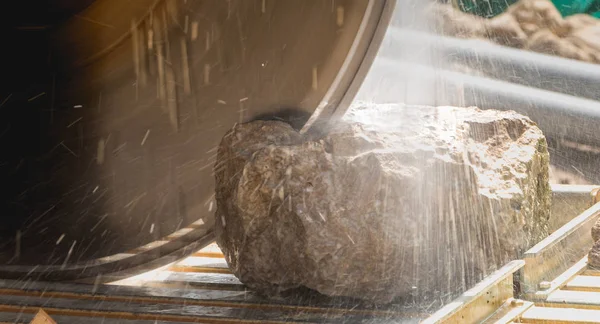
<point x="178" y="234"/>
<point x="193" y="296"/>
<point x="180" y="268"/>
<point x="210" y="251"/>
<point x="559" y="251"/>
<point x="22" y="317"/>
<point x="42" y="318"/>
<point x="147" y="247"/>
<point x="191" y="279"/>
<point x="181" y="312"/>
<point x="251" y="302"/>
<point x="579" y="298"/>
<point x="124" y="316"/>
<point x="511" y="310"/>
<point x="548" y="315"/>
<point x="560" y="281"/>
<point x="584" y="283"/>
<point x="481" y="301"/>
<point x="203" y="262"/>
<point x="591" y="272"/>
<point x="569" y="201"/>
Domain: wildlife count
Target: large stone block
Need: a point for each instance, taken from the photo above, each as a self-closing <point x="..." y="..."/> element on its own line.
<point x="393" y="201"/>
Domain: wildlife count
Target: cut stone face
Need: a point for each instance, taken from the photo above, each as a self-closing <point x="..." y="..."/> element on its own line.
<point x="393" y="201"/>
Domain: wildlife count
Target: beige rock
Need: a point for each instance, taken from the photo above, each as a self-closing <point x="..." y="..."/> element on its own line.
<point x="594" y="256"/>
<point x="546" y="42"/>
<point x="531" y="24"/>
<point x="449" y="21"/>
<point x="505" y="30"/>
<point x="587" y="39"/>
<point x="394" y="201"/>
<point x="579" y="21"/>
<point x="536" y="15"/>
<point x="596" y="231"/>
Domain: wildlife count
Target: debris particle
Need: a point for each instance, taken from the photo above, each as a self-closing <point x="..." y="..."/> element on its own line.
<point x="68" y="149"/>
<point x="60" y="239"/>
<point x="34" y="97"/>
<point x="97" y="283"/>
<point x="75" y="122"/>
<point x="206" y="74"/>
<point x="187" y="87"/>
<point x="69" y="254"/>
<point x="152" y="228"/>
<point x="194" y="30"/>
<point x="351" y="240"/>
<point x="145" y="137"/>
<point x="150" y="39"/>
<point x="243" y="99"/>
<point x="340" y="16"/>
<point x="315" y="80"/>
<point x="78" y="106"/>
<point x="207" y="44"/>
<point x="118" y="149"/>
<point x="100" y="151"/>
<point x="210" y="206"/>
<point x="98" y="223"/>
<point x="94" y="21"/>
<point x="95" y="189"/>
<point x="222" y="102"/>
<point x="18" y="244"/>
<point x="5" y="100"/>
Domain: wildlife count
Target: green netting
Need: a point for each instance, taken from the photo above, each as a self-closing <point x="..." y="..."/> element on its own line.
<point x="491" y="8"/>
<point x="484" y="8"/>
<point x="571" y="7"/>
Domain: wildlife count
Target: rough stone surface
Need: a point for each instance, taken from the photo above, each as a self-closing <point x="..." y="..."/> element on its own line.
<point x="596" y="231"/>
<point x="548" y="43"/>
<point x="393" y="201"/>
<point x="534" y="25"/>
<point x="594" y="256"/>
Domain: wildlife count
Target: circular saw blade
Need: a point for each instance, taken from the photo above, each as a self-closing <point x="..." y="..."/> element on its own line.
<point x="137" y="96"/>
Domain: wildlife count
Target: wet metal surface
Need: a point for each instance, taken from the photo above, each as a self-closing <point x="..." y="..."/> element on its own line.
<point x="194" y="294"/>
<point x="110" y="122"/>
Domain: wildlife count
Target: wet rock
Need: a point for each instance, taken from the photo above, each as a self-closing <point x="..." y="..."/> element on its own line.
<point x="596" y="231"/>
<point x="594" y="256"/>
<point x="393" y="201"/>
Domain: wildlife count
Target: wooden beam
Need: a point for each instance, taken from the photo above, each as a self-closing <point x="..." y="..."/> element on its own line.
<point x="42" y="318"/>
<point x="559" y="251"/>
<point x="548" y="315"/>
<point x="559" y="281"/>
<point x="481" y="301"/>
